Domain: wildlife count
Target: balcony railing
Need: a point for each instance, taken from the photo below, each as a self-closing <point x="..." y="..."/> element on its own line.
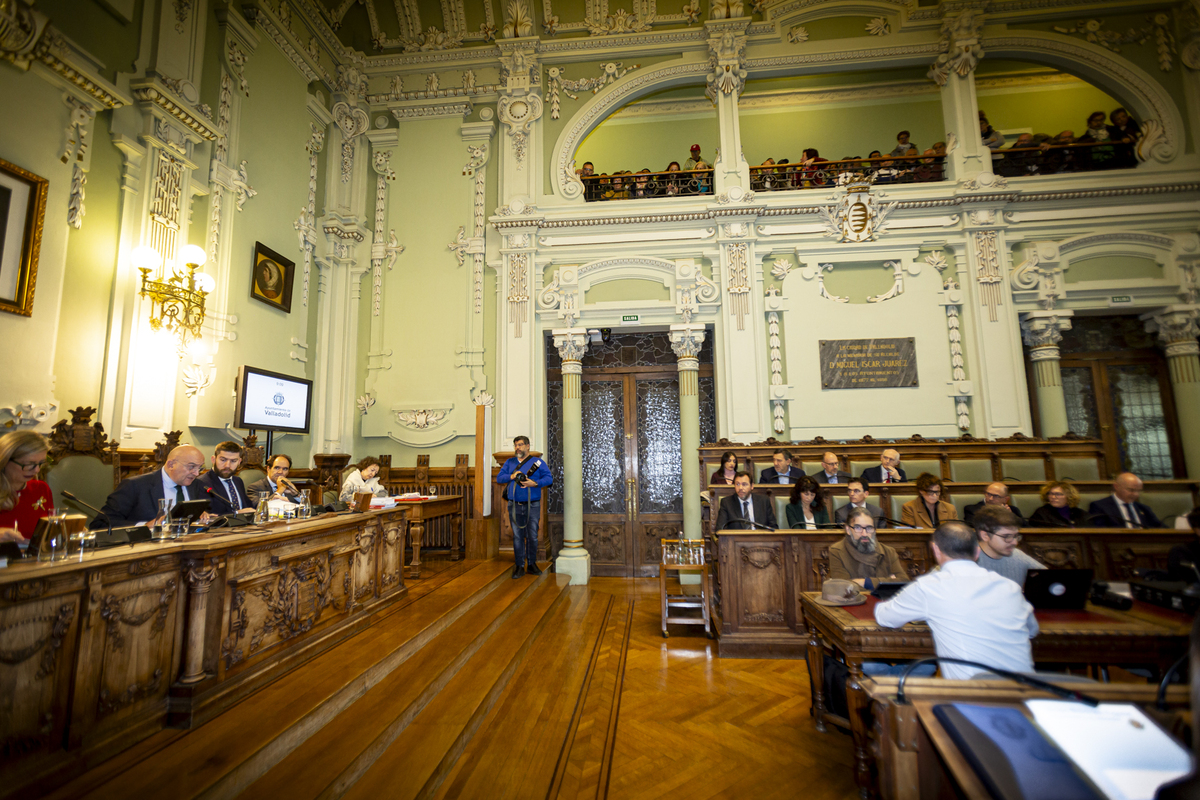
<point x="602" y="188"/>
<point x="1086" y="157"/>
<point x="1055" y="159"/>
<point x="785" y="177"/>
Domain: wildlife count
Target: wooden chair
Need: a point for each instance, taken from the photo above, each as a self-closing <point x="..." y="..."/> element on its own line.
<point x="82" y="460"/>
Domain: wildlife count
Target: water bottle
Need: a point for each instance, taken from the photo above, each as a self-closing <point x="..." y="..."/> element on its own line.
<point x="263" y="512"/>
<point x="160" y="530"/>
<point x="305" y="506"/>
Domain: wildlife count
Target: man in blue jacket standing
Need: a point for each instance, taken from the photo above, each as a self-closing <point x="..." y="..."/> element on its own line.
<point x="528" y="475"/>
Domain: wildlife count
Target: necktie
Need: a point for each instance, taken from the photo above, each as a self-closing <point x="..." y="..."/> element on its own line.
<point x="231" y="493"/>
<point x="1133" y="518"/>
<point x="833" y="478"/>
<point x="179" y="495"/>
<point x="745" y="509"/>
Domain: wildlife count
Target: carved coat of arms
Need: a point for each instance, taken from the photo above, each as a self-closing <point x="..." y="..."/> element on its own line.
<point x="857" y="216"/>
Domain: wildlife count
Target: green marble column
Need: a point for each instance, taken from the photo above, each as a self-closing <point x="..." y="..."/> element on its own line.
<point x="1177" y="329"/>
<point x="574" y="560"/>
<point x="1042" y="331"/>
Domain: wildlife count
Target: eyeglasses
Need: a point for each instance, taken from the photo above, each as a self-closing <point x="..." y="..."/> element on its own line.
<point x="1009" y="538"/>
<point x="934" y="490"/>
<point x="994" y="496"/>
<point x="31" y="467"/>
<point x="860" y="530"/>
<point x="1056" y="494"/>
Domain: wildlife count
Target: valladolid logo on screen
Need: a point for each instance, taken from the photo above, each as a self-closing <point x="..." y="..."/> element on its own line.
<point x="279" y="399"/>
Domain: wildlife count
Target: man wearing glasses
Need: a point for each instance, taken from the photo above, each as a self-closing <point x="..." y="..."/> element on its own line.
<point x="996" y="494"/>
<point x="829" y="472"/>
<point x="859" y="557"/>
<point x="998" y="538"/>
<point x="135" y="501"/>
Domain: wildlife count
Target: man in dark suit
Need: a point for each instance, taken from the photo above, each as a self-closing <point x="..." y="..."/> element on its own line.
<point x="782" y="471"/>
<point x="277" y="474"/>
<point x="858" y="490"/>
<point x="996" y="494"/>
<point x="135" y="501"/>
<point x="743" y="505"/>
<point x="1121" y="509"/>
<point x="829" y="472"/>
<point x="226" y="486"/>
<point x="888" y="470"/>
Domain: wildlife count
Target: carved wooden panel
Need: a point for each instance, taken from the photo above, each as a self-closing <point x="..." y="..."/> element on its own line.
<point x="761" y="582"/>
<point x="820" y="565"/>
<point x="1058" y="555"/>
<point x="37" y="650"/>
<point x="1124" y="559"/>
<point x="391" y="557"/>
<point x="605" y="541"/>
<point x="915" y="559"/>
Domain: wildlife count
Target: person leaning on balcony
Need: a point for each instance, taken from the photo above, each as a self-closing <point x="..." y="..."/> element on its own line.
<point x="992" y="138"/>
<point x="672" y="187"/>
<point x="1124" y="128"/>
<point x="1060" y="507"/>
<point x="695" y="161"/>
<point x="928" y="509"/>
<point x="902" y="144"/>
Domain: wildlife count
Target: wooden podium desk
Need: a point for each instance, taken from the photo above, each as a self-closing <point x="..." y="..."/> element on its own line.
<point x="918" y="759"/>
<point x="418" y="512"/>
<point x="1144" y="636"/>
<point x="106" y="650"/>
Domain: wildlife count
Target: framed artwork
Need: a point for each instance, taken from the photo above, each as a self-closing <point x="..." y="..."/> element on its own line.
<point x="272" y="277"/>
<point x="22" y="215"/>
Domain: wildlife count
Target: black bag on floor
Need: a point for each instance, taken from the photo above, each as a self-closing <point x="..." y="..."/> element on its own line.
<point x="834" y="689"/>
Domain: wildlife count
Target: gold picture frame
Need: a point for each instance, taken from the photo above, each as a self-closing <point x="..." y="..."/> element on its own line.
<point x="22" y="217"/>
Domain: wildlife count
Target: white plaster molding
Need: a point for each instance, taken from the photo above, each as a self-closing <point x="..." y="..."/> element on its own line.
<point x="1146" y="97"/>
<point x="693" y="291"/>
<point x="422" y="419"/>
<point x="384" y="249"/>
<point x="988" y="273"/>
<point x="196" y="378"/>
<point x="1113" y="237"/>
<point x="959" y="46"/>
<point x="306" y="223"/>
<point x="818" y="272"/>
<point x="555" y="81"/>
<point x="30" y="414"/>
<point x="562" y="296"/>
<point x="353" y="122"/>
<point x="564" y="181"/>
<point x="857" y="216"/>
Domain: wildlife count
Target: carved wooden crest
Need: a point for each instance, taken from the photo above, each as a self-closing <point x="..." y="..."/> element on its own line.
<point x="423" y="470"/>
<point x="762" y="557"/>
<point x="81" y="437"/>
<point x="460" y="468"/>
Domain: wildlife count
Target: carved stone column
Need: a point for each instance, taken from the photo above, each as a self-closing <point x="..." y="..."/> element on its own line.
<point x="1177" y="329"/>
<point x="199" y="580"/>
<point x="954" y="71"/>
<point x="574" y="560"/>
<point x="1042" y="331"/>
<point x="726" y="58"/>
<point x="686" y="341"/>
<point x="519" y="109"/>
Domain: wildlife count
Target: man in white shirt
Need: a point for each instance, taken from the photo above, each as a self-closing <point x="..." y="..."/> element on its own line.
<point x="974" y="614"/>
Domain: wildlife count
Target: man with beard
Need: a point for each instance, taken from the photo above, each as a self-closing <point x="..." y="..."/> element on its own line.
<point x="860" y="557"/>
<point x="223" y="483"/>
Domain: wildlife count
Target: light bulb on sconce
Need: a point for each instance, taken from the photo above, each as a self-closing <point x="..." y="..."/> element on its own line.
<point x="192" y="254"/>
<point x="145" y="259"/>
<point x="205" y="283"/>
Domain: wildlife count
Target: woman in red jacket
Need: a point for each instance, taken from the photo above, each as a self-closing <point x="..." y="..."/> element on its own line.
<point x="23" y="499"/>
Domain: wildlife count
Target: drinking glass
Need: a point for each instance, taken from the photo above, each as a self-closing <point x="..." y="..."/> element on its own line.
<point x="175" y="528"/>
<point x="305" y="506"/>
<point x="432" y="492"/>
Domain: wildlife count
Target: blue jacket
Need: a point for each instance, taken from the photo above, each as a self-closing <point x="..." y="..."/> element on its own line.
<point x="539" y="473"/>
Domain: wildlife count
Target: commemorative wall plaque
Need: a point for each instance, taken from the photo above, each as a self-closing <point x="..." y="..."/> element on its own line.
<point x="868" y="363"/>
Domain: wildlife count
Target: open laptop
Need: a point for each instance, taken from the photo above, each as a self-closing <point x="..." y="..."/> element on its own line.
<point x="1058" y="588"/>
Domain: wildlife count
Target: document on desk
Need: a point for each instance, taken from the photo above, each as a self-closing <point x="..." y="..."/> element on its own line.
<point x="1121" y="750"/>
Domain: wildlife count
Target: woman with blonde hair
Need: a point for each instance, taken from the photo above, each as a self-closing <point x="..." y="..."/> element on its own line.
<point x="1061" y="507"/>
<point x="23" y="498"/>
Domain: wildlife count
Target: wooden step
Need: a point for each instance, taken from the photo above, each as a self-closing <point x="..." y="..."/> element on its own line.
<point x="417" y="762"/>
<point x="553" y="725"/>
<point x="346" y="746"/>
<point x="228" y="753"/>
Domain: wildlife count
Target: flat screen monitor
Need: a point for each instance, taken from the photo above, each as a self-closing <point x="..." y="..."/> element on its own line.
<point x="270" y="401"/>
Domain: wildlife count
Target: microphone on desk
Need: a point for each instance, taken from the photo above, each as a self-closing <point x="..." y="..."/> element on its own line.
<point x="221" y="497"/>
<point x="749" y="522"/>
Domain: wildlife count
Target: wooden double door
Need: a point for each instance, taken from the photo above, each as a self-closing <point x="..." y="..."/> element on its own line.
<point x="632" y="466"/>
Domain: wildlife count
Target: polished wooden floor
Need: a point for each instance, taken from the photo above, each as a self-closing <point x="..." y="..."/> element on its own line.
<point x="696" y="726"/>
<point x="479" y="686"/>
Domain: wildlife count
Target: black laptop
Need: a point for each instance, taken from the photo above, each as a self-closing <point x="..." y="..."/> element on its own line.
<point x="1058" y="588"/>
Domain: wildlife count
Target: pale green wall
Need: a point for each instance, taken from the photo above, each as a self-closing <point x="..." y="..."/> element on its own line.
<point x="427" y="297"/>
<point x="859" y="280"/>
<point x="1047" y="109"/>
<point x="90" y="264"/>
<point x="626" y="290"/>
<point x="274" y="129"/>
<point x="28" y="362"/>
<point x="653" y="142"/>
<point x="1112" y="268"/>
<point x="98" y="30"/>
